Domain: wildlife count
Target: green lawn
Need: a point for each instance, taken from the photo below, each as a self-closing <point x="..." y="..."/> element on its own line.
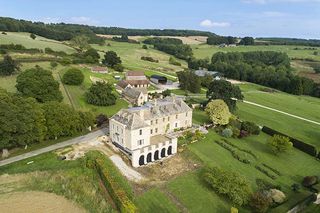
<point x="204" y="50"/>
<point x="155" y="201"/>
<point x="291" y="165"/>
<point x="200" y="117"/>
<point x="40" y="42"/>
<point x="304" y="106"/>
<point x="196" y="196"/>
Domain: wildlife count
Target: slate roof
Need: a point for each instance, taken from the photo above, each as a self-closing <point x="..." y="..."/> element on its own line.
<point x="134" y="93"/>
<point x="135" y="117"/>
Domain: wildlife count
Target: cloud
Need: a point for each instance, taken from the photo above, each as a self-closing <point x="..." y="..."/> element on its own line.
<point x="274" y="14"/>
<point x="209" y="23"/>
<point x="82" y="20"/>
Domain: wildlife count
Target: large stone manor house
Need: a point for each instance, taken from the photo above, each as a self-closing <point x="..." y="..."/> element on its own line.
<point x="145" y="133"/>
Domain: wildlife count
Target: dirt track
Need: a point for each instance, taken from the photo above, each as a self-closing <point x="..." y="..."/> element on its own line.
<point x="33" y="201"/>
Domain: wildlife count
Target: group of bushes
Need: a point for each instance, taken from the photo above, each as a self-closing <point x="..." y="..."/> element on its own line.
<point x="5" y="48"/>
<point x="266" y="172"/>
<point x="117" y="186"/>
<point x="228" y="183"/>
<point x="148" y="58"/>
<point x="173" y="61"/>
<point x="239" y="129"/>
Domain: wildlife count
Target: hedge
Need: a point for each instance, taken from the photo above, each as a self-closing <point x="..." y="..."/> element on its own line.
<point x="115" y="183"/>
<point x="304" y="147"/>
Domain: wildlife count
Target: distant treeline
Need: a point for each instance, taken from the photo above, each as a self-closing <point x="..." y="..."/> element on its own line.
<point x="62" y="31"/>
<point x="288" y="41"/>
<point x="268" y="68"/>
<point x="171" y="46"/>
<point x="216" y="40"/>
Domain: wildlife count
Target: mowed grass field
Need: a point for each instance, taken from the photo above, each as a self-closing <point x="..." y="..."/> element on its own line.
<point x="303" y="106"/>
<point x="204" y="50"/>
<point x="198" y="197"/>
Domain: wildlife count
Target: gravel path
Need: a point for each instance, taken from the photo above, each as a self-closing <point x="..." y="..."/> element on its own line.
<point x="126" y="170"/>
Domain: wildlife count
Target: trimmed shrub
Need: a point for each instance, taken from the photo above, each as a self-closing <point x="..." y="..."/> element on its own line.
<point x="73" y="76"/>
<point x="305" y="147"/>
<point x="272" y="169"/>
<point x="236" y="154"/>
<point x="279" y="144"/>
<point x="309" y="181"/>
<point x="266" y="172"/>
<point x="227" y="133"/>
<point x="277" y="196"/>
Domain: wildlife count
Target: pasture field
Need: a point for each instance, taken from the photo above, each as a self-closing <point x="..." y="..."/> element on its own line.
<point x="131" y="57"/>
<point x="40" y="42"/>
<point x="303" y="106"/>
<point x="204" y="50"/>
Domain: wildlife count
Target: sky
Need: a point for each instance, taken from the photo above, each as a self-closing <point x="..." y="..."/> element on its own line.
<point x="257" y="18"/>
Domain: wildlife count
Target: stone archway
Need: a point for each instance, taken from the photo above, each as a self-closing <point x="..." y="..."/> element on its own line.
<point x="170" y="150"/>
<point x="141" y="160"/>
<point x="149" y="158"/>
<point x="156" y="155"/>
<point x="163" y="152"/>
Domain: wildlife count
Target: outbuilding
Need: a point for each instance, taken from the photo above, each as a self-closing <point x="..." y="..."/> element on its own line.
<point x="158" y="79"/>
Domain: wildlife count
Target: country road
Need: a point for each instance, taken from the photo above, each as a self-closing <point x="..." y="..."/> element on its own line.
<point x="84" y="138"/>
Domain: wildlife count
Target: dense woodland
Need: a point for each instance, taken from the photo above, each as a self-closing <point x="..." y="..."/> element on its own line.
<point x="289" y="41"/>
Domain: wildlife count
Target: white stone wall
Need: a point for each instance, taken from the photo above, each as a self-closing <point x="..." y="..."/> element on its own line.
<point x="153" y="151"/>
<point x="159" y="125"/>
<point x="134" y="136"/>
<point x="117" y="132"/>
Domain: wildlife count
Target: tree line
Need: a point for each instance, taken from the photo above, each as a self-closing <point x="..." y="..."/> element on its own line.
<point x="24" y="121"/>
<point x="63" y="31"/>
<point x="267" y="68"/>
<point x="171" y="46"/>
<point x="289" y="41"/>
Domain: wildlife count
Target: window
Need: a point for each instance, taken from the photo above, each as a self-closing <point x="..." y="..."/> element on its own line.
<point x="163" y="119"/>
<point x="186" y="114"/>
<point x="176" y="116"/>
<point x="176" y="125"/>
<point x="140" y="142"/>
<point x="140" y="131"/>
<point x="151" y="131"/>
<point x="156" y="121"/>
<point x="117" y="128"/>
<point x="156" y="130"/>
<point x="168" y="118"/>
<point x="185" y="122"/>
<point x="151" y="122"/>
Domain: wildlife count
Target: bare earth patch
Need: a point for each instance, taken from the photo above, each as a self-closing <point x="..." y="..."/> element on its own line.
<point x="33" y="201"/>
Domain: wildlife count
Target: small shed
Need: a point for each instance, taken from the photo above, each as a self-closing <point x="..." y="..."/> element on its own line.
<point x="158" y="79"/>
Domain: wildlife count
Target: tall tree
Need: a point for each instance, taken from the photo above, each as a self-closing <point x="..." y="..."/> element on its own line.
<point x="218" y="112"/>
<point x="189" y="81"/>
<point x="8" y="66"/>
<point x="21" y="121"/>
<point x="220" y="89"/>
<point x="111" y="59"/>
<point x="100" y="94"/>
<point x="39" y="84"/>
<point x="73" y="76"/>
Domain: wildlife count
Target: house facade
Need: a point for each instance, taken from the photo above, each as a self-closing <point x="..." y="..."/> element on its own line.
<point x="144" y="133"/>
